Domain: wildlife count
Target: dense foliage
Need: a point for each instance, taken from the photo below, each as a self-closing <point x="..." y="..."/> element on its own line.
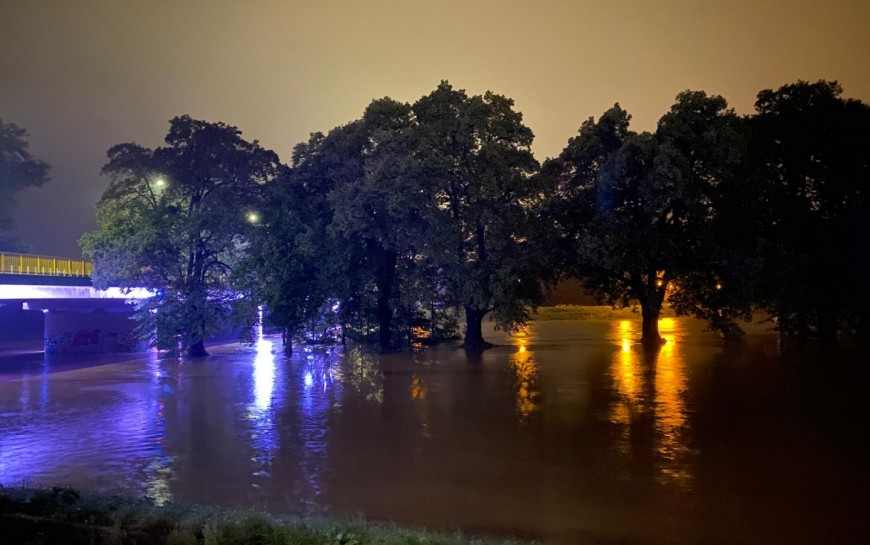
<point x="175" y="220"/>
<point x="809" y="169"/>
<point x="639" y="210"/>
<point x="394" y="226"/>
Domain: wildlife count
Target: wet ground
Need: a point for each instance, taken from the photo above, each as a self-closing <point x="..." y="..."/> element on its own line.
<point x="568" y="433"/>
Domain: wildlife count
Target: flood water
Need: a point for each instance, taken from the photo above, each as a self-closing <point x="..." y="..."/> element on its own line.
<point x="568" y="433"/>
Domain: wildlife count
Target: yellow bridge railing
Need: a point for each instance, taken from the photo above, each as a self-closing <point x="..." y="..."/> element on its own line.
<point x="43" y="265"/>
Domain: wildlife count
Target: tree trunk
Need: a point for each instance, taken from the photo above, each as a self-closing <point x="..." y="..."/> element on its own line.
<point x="385" y="275"/>
<point x="650" y="328"/>
<point x="651" y="297"/>
<point x="474" y="331"/>
<point x="286" y="342"/>
<point x="197" y="350"/>
<point x="385" y="315"/>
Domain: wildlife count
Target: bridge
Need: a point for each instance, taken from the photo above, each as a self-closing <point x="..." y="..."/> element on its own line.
<point x="56" y="292"/>
<point x="41" y="265"/>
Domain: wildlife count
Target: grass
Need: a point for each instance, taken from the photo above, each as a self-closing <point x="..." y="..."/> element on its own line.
<point x="590" y="312"/>
<point x="65" y="516"/>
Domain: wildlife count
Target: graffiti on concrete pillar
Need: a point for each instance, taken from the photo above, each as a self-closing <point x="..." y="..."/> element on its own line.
<point x="90" y="333"/>
<point x="86" y="337"/>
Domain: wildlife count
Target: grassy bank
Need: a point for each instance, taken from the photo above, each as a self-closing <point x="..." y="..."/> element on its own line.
<point x="584" y="312"/>
<point x="63" y="516"/>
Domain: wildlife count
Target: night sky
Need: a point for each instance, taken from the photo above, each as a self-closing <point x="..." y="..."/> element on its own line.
<point x="81" y="76"/>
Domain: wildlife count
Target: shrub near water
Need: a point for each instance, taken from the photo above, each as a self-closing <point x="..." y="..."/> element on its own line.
<point x="62" y="516"/>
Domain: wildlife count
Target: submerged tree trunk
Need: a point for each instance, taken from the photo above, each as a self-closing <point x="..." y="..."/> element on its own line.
<point x="651" y="296"/>
<point x="385" y="276"/>
<point x="474" y="330"/>
<point x="650" y="328"/>
<point x="197" y="350"/>
<point x="286" y="342"/>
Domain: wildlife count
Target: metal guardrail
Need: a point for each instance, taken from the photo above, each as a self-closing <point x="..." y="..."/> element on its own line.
<point x="43" y="265"/>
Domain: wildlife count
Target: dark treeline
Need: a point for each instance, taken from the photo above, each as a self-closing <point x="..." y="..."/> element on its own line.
<point x="397" y="226"/>
<point x="18" y="171"/>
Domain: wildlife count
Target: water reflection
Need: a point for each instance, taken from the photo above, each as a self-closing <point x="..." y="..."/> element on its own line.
<point x="261" y="411"/>
<point x="650" y="387"/>
<point x="600" y="441"/>
<point x="66" y="427"/>
<point x="526" y="374"/>
<point x="159" y="472"/>
<point x="314" y="416"/>
<point x="264" y="375"/>
<point x="358" y="368"/>
<point x="670" y="406"/>
<point x="418" y="388"/>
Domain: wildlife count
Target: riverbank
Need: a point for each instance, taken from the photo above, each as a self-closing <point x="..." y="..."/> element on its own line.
<point x="64" y="516"/>
<point x="592" y="312"/>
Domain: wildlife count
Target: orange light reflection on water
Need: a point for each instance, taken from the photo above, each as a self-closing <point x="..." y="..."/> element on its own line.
<point x="418" y="388"/>
<point x="526" y="373"/>
<point x="652" y="384"/>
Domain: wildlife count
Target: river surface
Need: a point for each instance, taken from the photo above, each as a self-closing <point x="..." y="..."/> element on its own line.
<point x="568" y="433"/>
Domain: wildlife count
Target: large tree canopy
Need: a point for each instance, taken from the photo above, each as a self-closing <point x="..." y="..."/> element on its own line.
<point x="380" y="207"/>
<point x="637" y="211"/>
<point x="476" y="168"/>
<point x="18" y="170"/>
<point x="385" y="224"/>
<point x="176" y="220"/>
<point x="418" y="209"/>
<point x="810" y="170"/>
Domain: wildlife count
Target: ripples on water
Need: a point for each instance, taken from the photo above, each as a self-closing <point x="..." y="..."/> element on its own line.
<point x="568" y="431"/>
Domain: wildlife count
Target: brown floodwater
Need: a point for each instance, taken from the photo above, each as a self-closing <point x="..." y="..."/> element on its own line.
<point x="567" y="433"/>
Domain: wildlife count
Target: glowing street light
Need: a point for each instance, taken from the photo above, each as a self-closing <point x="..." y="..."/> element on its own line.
<point x="253" y="217"/>
<point x="160" y="182"/>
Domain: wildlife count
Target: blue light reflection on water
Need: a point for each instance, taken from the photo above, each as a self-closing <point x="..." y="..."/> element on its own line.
<point x="319" y="396"/>
<point x="159" y="472"/>
<point x="78" y="425"/>
<point x="262" y="408"/>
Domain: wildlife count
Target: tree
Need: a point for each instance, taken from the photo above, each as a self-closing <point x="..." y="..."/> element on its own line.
<point x="476" y="169"/>
<point x="18" y="170"/>
<point x="383" y="206"/>
<point x="638" y="210"/>
<point x="176" y="220"/>
<point x="287" y="264"/>
<point x="810" y="166"/>
<point x="351" y="207"/>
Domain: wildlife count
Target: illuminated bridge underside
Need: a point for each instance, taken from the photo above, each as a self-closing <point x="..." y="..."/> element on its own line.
<point x="47" y="279"/>
<point x="54" y="293"/>
<point x="76" y="317"/>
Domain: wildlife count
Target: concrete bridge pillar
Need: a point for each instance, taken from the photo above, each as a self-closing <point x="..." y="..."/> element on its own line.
<point x="90" y="331"/>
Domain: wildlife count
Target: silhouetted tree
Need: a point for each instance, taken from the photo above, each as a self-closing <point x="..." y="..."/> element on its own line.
<point x="810" y="167"/>
<point x="18" y="170"/>
<point x="381" y="206"/>
<point x="637" y="211"/>
<point x="476" y="168"/>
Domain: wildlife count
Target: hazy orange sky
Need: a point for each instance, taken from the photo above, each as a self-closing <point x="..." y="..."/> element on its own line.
<point x="81" y="76"/>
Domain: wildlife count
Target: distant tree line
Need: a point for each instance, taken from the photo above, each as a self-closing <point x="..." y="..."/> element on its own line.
<point x="18" y="171"/>
<point x="395" y="227"/>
